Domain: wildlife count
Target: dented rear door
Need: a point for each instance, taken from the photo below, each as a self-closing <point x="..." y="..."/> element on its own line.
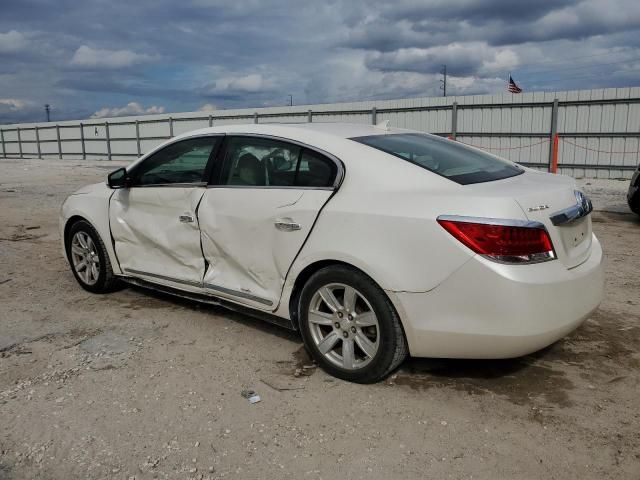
<point x="257" y="216"/>
<point x="250" y="237"/>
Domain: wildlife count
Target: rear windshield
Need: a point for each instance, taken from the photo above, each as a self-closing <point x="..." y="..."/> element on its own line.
<point x="447" y="158"/>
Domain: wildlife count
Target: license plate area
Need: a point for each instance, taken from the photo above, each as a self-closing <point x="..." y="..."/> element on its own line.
<point x="574" y="233"/>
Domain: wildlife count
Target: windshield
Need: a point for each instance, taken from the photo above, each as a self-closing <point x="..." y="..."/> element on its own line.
<point x="447" y="158"/>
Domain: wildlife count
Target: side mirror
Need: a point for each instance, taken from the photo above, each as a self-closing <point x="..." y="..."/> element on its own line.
<point x="119" y="179"/>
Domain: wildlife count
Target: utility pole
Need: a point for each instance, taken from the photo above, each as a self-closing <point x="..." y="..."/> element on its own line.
<point x="46" y="109"/>
<point x="443" y="82"/>
<point x="290" y="100"/>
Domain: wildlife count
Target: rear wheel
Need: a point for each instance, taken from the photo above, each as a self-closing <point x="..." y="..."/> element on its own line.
<point x="89" y="260"/>
<point x="349" y="325"/>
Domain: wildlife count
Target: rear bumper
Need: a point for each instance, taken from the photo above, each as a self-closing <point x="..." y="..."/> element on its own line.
<point x="491" y="310"/>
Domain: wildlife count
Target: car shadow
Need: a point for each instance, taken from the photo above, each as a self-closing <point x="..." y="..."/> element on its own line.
<point x="520" y="380"/>
<point x="242" y="318"/>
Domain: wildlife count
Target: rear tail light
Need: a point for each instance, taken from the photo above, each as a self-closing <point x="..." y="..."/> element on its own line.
<point x="504" y="241"/>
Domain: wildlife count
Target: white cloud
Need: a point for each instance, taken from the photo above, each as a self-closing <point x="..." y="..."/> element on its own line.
<point x="12" y="41"/>
<point x="251" y="83"/>
<point x="132" y="108"/>
<point x="101" y="58"/>
<point x="460" y="58"/>
<point x="207" y="107"/>
<point x="12" y="104"/>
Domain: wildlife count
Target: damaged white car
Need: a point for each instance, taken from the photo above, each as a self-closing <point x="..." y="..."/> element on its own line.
<point x="374" y="242"/>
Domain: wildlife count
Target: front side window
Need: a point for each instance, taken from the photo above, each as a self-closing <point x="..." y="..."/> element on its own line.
<point x="447" y="158"/>
<point x="180" y="162"/>
<point x="264" y="162"/>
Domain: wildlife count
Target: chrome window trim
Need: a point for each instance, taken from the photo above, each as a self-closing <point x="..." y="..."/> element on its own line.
<point x="169" y="185"/>
<point x="339" y="164"/>
<point x="272" y="187"/>
<point x="209" y="286"/>
<point x="493" y="221"/>
<point x="582" y="208"/>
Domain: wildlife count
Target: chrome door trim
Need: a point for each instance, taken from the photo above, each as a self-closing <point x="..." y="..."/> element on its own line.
<point x="163" y="277"/>
<point x="582" y="208"/>
<point x="236" y="293"/>
<point x="208" y="286"/>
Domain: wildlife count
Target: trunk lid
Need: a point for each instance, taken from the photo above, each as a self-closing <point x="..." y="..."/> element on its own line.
<point x="540" y="196"/>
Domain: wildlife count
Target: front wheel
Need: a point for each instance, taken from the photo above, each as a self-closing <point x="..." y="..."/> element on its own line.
<point x="89" y="259"/>
<point x="349" y="325"/>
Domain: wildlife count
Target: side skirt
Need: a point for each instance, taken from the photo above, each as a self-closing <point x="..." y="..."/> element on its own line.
<point x="212" y="300"/>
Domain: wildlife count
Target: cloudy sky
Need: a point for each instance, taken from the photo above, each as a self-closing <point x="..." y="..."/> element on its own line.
<point x="117" y="57"/>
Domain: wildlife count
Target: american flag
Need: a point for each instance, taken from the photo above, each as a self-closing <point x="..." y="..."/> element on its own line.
<point x="512" y="87"/>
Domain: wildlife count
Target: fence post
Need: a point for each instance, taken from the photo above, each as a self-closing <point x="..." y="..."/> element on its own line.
<point x="138" y="138"/>
<point x="309" y="116"/>
<point x="255" y="117"/>
<point x="211" y="120"/>
<point x="374" y="116"/>
<point x="553" y="138"/>
<point x="454" y="120"/>
<point x="38" y="142"/>
<point x="106" y="131"/>
<point x="171" y="127"/>
<point x="4" y="151"/>
<point x="84" y="151"/>
<point x="19" y="143"/>
<point x="59" y="142"/>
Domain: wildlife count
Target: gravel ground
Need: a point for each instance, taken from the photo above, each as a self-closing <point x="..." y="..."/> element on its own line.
<point x="139" y="385"/>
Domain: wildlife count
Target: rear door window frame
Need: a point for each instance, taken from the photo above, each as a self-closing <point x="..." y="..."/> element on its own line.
<point x="215" y="179"/>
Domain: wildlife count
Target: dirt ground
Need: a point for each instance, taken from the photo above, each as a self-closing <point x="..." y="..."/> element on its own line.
<point x="139" y="385"/>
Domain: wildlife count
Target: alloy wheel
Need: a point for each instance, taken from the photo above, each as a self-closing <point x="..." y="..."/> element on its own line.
<point x="84" y="257"/>
<point x="344" y="326"/>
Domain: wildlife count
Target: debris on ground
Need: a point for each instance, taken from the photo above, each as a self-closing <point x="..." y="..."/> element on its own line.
<point x="250" y="395"/>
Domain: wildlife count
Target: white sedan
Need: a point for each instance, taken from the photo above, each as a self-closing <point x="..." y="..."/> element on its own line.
<point x="374" y="242"/>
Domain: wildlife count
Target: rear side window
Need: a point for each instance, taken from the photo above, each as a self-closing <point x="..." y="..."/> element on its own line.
<point x="315" y="170"/>
<point x="446" y="158"/>
<point x="265" y="162"/>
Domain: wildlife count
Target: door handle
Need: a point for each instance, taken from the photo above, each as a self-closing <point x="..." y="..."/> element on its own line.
<point x="287" y="225"/>
<point x="186" y="218"/>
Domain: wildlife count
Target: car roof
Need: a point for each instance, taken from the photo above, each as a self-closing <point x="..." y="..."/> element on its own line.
<point x="296" y="130"/>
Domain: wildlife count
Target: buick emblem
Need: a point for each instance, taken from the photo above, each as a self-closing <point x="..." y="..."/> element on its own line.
<point x="538" y="208"/>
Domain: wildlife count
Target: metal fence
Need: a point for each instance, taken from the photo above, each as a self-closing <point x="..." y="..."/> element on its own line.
<point x="597" y="131"/>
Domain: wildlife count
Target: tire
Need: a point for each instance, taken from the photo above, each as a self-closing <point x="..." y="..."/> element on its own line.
<point x="93" y="252"/>
<point x="357" y="336"/>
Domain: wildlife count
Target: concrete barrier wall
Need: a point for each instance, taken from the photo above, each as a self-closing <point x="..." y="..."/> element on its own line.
<point x="598" y="130"/>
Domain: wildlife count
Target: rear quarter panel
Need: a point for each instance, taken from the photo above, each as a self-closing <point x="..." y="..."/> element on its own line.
<point x="382" y="220"/>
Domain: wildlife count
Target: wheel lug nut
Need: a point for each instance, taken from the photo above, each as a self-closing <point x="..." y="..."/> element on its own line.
<point x="337" y="325"/>
<point x="350" y="317"/>
<point x="353" y="329"/>
<point x="345" y="334"/>
<point x="340" y="315"/>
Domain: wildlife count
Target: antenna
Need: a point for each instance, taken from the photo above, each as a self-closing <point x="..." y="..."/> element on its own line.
<point x="443" y="82"/>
